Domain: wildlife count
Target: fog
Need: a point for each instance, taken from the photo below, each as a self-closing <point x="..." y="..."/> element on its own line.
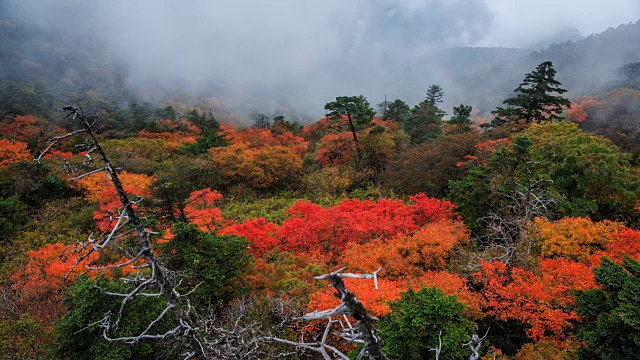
<point x="302" y="54"/>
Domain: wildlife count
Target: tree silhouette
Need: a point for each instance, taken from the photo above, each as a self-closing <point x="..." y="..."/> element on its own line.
<point x="535" y="102"/>
<point x="358" y="112"/>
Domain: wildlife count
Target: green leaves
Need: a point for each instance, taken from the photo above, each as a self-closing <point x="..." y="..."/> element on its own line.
<point x="534" y="103"/>
<point x="612" y="314"/>
<point x="212" y="260"/>
<point x="87" y="303"/>
<point x="356" y="108"/>
<point x="416" y="320"/>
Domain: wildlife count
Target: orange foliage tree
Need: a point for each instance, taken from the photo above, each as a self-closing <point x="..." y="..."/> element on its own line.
<point x="259" y="138"/>
<point x="335" y="149"/>
<point x="12" y="152"/>
<point x="543" y="302"/>
<point x="375" y="301"/>
<point x="407" y="255"/>
<point x="261" y="168"/>
<point x="98" y="188"/>
<point x="22" y="128"/>
<point x="577" y="113"/>
<point x="543" y="299"/>
<point x="41" y="283"/>
<point x="575" y="238"/>
<point x="176" y="138"/>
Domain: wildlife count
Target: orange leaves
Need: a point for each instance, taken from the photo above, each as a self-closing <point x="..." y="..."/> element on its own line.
<point x="263" y="168"/>
<point x="544" y="299"/>
<point x="408" y="256"/>
<point x="452" y="284"/>
<point x="574" y="238"/>
<point x="259" y="138"/>
<point x="256" y="137"/>
<point x="297" y="144"/>
<point x="12" y="152"/>
<point x="625" y="242"/>
<point x="201" y="210"/>
<point x="259" y="158"/>
<point x="22" y="128"/>
<point x="375" y="301"/>
<point x="41" y="283"/>
<point x="544" y="302"/>
<point x="578" y="111"/>
<point x="100" y="189"/>
<point x="94" y="185"/>
<point x="335" y="149"/>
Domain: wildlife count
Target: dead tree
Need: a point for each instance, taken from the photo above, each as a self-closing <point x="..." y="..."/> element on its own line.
<point x="475" y="344"/>
<point x="438" y="349"/>
<point x="508" y="228"/>
<point x="236" y="332"/>
<point x="363" y="333"/>
<point x="153" y="279"/>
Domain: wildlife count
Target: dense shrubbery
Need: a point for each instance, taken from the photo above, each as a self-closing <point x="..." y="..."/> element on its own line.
<point x="521" y="246"/>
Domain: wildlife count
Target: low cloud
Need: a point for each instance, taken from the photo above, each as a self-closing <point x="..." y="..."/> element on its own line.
<point x="302" y="54"/>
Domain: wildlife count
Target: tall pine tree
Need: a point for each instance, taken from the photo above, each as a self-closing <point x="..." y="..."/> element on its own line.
<point x="534" y="101"/>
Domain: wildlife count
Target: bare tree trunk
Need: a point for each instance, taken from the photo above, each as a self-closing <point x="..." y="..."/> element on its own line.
<point x="364" y="333"/>
<point x="355" y="140"/>
<point x="365" y="325"/>
<point x="159" y="272"/>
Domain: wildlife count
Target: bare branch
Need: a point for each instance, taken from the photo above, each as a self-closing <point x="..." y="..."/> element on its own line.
<point x="55" y="140"/>
<point x="88" y="174"/>
<point x="475" y="344"/>
<point x="363" y="332"/>
<point x="128" y="222"/>
<point x="438" y="349"/>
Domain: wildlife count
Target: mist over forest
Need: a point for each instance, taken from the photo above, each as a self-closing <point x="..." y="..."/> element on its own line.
<point x="286" y="179"/>
<point x="294" y="57"/>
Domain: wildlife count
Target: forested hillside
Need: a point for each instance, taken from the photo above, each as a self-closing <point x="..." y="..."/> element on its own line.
<point x="140" y="227"/>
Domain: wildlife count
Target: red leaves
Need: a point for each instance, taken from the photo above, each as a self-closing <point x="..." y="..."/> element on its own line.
<point x="261" y="235"/>
<point x="335" y="149"/>
<point x="324" y="233"/>
<point x="201" y="210"/>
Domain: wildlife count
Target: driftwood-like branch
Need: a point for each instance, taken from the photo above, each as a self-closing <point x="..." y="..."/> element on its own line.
<point x="55" y="140"/>
<point x="438" y="349"/>
<point x="507" y="237"/>
<point x="318" y="346"/>
<point x="364" y="332"/>
<point x="128" y="222"/>
<point x="475" y="344"/>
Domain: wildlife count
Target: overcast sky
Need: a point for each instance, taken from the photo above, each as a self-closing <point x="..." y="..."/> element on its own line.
<point x="308" y="51"/>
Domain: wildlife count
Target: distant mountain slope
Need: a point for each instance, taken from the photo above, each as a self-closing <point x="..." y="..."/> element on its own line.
<point x="37" y="64"/>
<point x="62" y="67"/>
<point x="585" y="67"/>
